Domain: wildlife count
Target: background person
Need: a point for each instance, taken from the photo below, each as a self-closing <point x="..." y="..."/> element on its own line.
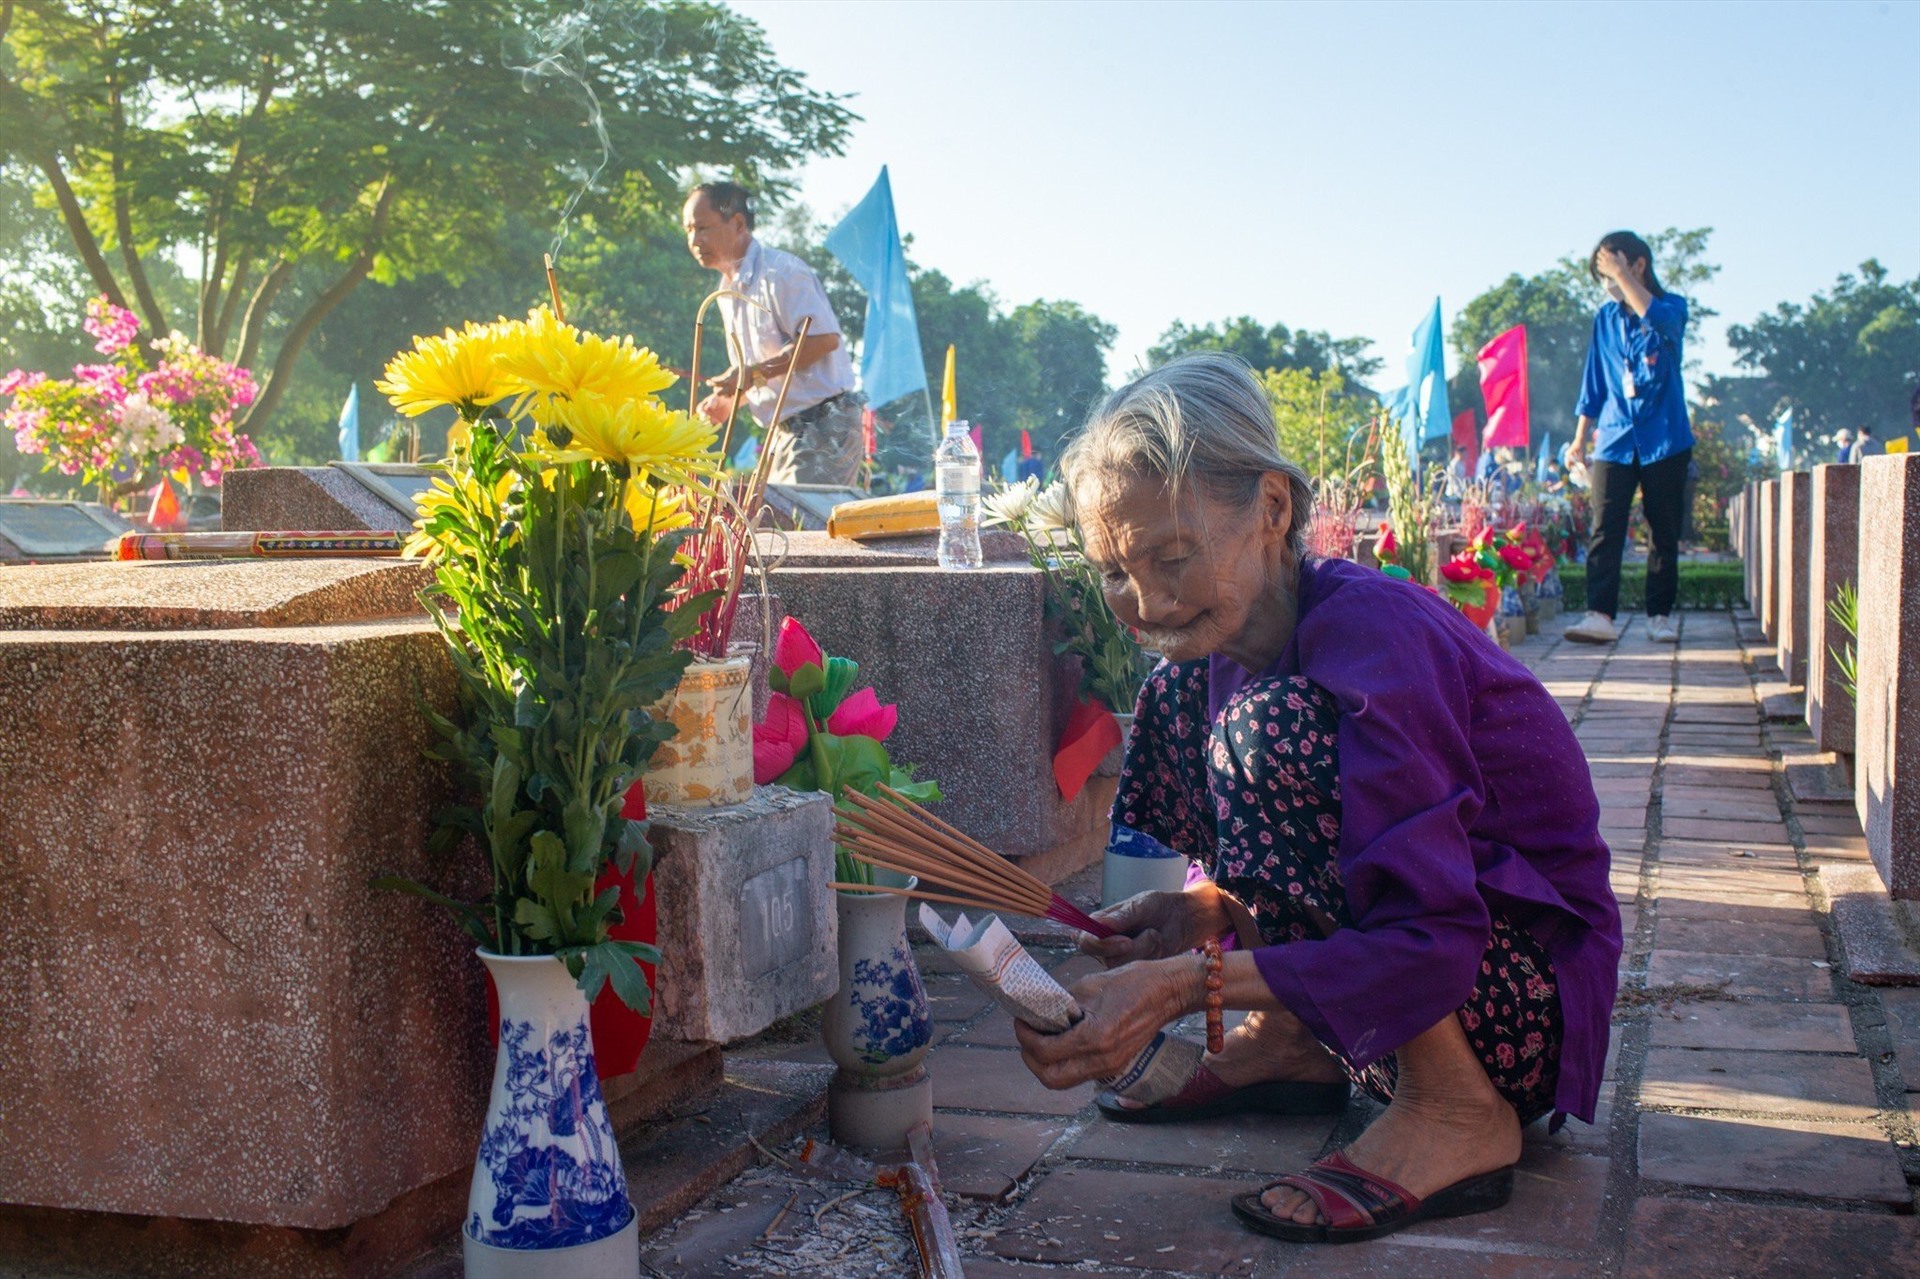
<point x="1633" y="402"/>
<point x="820" y="441"/>
<point x="1864" y="445"/>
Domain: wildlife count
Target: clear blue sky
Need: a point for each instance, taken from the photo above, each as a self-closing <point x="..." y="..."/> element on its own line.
<point x="1335" y="166"/>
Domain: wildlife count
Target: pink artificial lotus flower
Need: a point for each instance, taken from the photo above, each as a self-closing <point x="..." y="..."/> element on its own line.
<point x="780" y="737"/>
<point x="793" y="648"/>
<point x="862" y="715"/>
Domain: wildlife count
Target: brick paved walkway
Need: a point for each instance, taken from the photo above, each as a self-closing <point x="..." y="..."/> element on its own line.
<point x="1754" y="1120"/>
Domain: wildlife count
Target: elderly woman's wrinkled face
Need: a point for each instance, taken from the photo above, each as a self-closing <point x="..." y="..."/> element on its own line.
<point x="1189" y="573"/>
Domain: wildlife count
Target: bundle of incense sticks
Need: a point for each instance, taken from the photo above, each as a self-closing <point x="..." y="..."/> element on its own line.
<point x="905" y="838"/>
<point x="272" y="545"/>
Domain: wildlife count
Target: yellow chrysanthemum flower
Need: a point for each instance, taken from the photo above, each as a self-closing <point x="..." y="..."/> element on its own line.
<point x="547" y="357"/>
<point x="657" y="511"/>
<point x="455" y="370"/>
<point x="643" y="434"/>
<point x="460" y="490"/>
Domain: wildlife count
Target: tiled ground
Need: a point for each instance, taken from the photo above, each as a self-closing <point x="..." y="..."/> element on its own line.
<point x="1755" y="1119"/>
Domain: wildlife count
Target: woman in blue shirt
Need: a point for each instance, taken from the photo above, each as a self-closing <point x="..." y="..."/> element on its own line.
<point x="1633" y="402"/>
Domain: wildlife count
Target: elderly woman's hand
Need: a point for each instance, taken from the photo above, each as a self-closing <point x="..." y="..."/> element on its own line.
<point x="1158" y="925"/>
<point x="1123" y="1010"/>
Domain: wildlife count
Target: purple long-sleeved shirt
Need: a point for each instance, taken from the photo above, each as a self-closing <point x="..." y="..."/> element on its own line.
<point x="1463" y="793"/>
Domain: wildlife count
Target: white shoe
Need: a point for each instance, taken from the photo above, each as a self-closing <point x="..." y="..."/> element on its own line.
<point x="1594" y="628"/>
<point x="1661" y="630"/>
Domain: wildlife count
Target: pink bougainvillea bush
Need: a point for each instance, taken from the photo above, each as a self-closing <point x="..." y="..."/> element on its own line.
<point x="122" y="423"/>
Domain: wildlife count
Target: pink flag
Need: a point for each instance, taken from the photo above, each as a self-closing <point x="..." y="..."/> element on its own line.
<point x="1503" y="385"/>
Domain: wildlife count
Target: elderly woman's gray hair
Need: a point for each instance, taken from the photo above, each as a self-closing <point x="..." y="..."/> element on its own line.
<point x="1200" y="419"/>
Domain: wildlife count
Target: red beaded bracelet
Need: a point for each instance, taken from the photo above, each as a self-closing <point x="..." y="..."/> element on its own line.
<point x="1216" y="996"/>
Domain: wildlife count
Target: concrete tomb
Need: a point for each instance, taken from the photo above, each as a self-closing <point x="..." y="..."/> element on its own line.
<point x="1832" y="562"/>
<point x="1887" y="723"/>
<point x="1795" y="547"/>
<point x="1769" y="557"/>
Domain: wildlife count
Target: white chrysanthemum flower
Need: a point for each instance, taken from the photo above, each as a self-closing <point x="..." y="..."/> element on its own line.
<point x="1011" y="504"/>
<point x="1048" y="509"/>
<point x="145" y="428"/>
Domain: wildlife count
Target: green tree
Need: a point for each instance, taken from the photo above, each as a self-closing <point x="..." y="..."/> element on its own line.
<point x="290" y="150"/>
<point x="1063" y="349"/>
<point x="1269" y="347"/>
<point x="1319" y="418"/>
<point x="1849" y="357"/>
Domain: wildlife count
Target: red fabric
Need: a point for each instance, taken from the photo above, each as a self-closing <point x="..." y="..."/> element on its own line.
<point x="1091" y="732"/>
<point x="869" y="438"/>
<point x="1503" y="384"/>
<point x="1466" y="433"/>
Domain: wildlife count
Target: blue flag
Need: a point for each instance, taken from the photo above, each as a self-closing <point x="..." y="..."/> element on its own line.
<point x="350" y="426"/>
<point x="867" y="242"/>
<point x="1421" y="405"/>
<point x="1010" y="466"/>
<point x="1783" y="439"/>
<point x="1540" y="475"/>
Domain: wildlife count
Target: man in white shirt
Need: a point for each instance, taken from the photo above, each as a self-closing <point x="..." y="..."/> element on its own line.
<point x="818" y="438"/>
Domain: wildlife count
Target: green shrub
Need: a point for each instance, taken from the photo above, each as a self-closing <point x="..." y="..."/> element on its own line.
<point x="1702" y="585"/>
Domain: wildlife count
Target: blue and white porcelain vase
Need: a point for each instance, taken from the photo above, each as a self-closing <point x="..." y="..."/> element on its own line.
<point x="878" y="1026"/>
<point x="549" y="1197"/>
<point x="1511" y="605"/>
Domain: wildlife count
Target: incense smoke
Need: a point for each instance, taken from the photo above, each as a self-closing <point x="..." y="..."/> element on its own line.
<point x="560" y="51"/>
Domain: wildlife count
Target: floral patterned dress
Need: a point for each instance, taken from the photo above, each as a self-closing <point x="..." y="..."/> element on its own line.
<point x="1254" y="798"/>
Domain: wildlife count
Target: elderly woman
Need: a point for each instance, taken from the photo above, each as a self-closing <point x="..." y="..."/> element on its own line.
<point x="1392" y="814"/>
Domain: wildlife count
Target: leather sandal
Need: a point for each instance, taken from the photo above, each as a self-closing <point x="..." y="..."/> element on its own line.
<point x="1205" y="1095"/>
<point x="1358" y="1205"/>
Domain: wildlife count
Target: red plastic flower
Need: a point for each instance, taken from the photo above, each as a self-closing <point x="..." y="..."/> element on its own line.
<point x="1517" y="559"/>
<point x="1456" y="571"/>
<point x="1387" y="547"/>
<point x="794" y="647"/>
<point x="779" y="739"/>
<point x="862" y="715"/>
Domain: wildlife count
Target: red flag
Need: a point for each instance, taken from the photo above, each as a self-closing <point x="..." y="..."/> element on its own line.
<point x="1466" y="433"/>
<point x="1026" y="445"/>
<point x="1503" y="384"/>
<point x="868" y="437"/>
<point x="165" y="515"/>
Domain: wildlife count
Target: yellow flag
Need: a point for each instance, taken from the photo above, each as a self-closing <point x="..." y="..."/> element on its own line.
<point x="949" y="405"/>
<point x="1897" y="446"/>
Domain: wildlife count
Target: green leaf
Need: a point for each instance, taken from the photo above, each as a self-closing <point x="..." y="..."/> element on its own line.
<point x="801" y="777"/>
<point x="840" y="675"/>
<point x="806" y="681"/>
<point x="535" y="920"/>
<point x="469" y="916"/>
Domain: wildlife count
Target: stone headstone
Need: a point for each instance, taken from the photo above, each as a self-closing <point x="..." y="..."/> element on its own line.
<point x="1750" y="543"/>
<point x="747" y="924"/>
<point x="304" y="497"/>
<point x="1769" y="559"/>
<point x="40" y="531"/>
<point x="1796" y="545"/>
<point x="1832" y="563"/>
<point x="1887" y="711"/>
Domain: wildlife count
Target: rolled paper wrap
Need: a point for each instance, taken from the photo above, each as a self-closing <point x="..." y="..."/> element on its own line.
<point x="195" y="546"/>
<point x="899" y="515"/>
<point x="1001" y="967"/>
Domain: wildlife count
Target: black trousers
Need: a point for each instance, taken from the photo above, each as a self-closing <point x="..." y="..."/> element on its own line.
<point x="1663" y="499"/>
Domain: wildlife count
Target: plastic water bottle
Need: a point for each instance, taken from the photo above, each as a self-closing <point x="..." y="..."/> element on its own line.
<point x="956" y="479"/>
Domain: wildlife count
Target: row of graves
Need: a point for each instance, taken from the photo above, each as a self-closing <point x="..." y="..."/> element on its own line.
<point x="1832" y="565"/>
